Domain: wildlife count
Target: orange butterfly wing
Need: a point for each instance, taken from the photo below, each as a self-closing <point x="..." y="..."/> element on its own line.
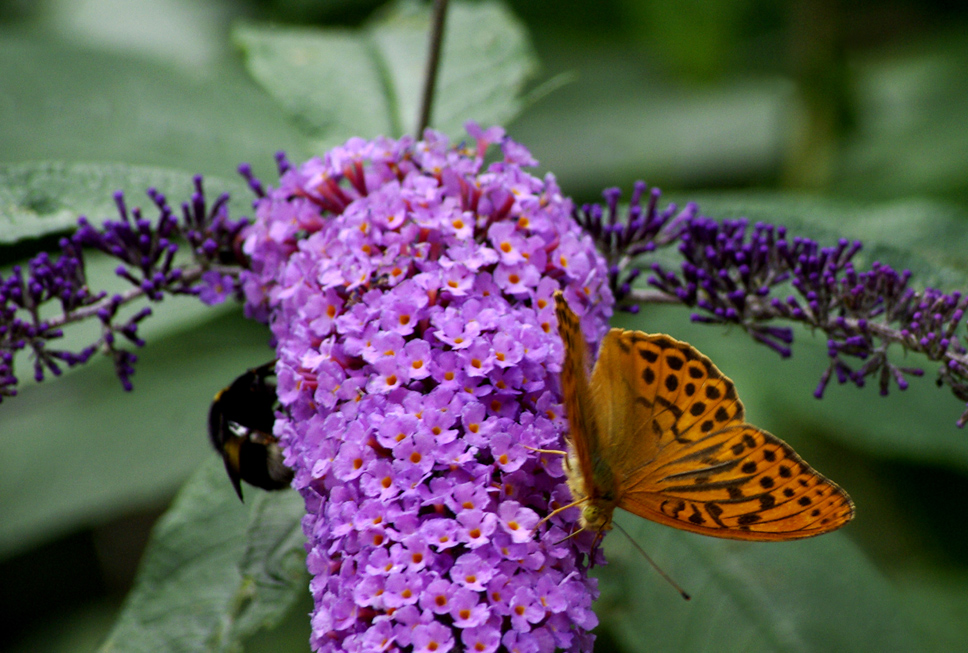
<point x="672" y="432"/>
<point x="583" y="435"/>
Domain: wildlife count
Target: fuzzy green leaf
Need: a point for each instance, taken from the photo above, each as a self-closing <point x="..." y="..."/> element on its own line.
<point x="820" y="594"/>
<point x="38" y="199"/>
<point x="339" y="83"/>
<point x="214" y="571"/>
<point x="66" y="102"/>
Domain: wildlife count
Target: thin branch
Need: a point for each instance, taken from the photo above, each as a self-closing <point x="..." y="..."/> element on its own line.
<point x="189" y="275"/>
<point x="433" y="59"/>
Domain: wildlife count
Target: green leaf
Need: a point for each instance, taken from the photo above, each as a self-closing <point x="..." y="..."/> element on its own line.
<point x="189" y="35"/>
<point x="341" y="83"/>
<point x="624" y="121"/>
<point x="69" y="103"/>
<point x="910" y="135"/>
<point x="79" y="451"/>
<point x="38" y="199"/>
<point x="819" y="594"/>
<point x="940" y="605"/>
<point x="215" y="571"/>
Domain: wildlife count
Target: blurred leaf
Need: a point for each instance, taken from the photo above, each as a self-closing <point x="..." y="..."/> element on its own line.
<point x="819" y="594"/>
<point x="910" y="138"/>
<point x="80" y="451"/>
<point x="622" y="121"/>
<point x="63" y="102"/>
<point x="189" y="34"/>
<point x="715" y="29"/>
<point x="341" y="83"/>
<point x="72" y="631"/>
<point x="214" y="571"/>
<point x="292" y="634"/>
<point x="939" y="602"/>
<point x="38" y="199"/>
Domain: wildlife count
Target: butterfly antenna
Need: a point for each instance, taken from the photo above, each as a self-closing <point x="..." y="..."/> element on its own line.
<point x="645" y="555"/>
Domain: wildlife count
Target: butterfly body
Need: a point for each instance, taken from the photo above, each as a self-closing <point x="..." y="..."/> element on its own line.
<point x="597" y="499"/>
<point x="659" y="431"/>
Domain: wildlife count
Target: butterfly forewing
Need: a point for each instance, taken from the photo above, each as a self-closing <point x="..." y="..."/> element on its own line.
<point x="584" y="432"/>
<point x="695" y="464"/>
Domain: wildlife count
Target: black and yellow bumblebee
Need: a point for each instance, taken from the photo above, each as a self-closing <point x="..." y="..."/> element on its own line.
<point x="240" y="428"/>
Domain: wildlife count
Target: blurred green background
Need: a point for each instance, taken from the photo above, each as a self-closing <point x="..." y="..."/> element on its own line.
<point x="842" y="117"/>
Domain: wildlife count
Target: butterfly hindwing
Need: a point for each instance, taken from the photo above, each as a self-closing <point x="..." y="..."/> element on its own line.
<point x="681" y="454"/>
<point x="738" y="483"/>
<point x="630" y="430"/>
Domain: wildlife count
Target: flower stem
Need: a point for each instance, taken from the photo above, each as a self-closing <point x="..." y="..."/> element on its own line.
<point x="433" y="59"/>
<point x="188" y="276"/>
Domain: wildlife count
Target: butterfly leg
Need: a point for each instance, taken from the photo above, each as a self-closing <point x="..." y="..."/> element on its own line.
<point x="555" y="512"/>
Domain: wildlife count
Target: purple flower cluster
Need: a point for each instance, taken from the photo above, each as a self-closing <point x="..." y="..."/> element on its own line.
<point x="622" y="242"/>
<point x="409" y="288"/>
<point x="147" y="251"/>
<point x="752" y="276"/>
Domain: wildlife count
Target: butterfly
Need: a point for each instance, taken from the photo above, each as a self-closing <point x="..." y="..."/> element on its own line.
<point x="658" y="430"/>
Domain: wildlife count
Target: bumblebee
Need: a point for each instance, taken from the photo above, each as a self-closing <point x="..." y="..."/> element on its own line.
<point x="240" y="428"/>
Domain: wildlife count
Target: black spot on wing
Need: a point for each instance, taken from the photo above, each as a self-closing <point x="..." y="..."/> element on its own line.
<point x="671" y="407"/>
<point x="673" y="508"/>
<point x="642" y="401"/>
<point x="672" y="383"/>
<point x="715" y="511"/>
<point x="648" y="355"/>
<point x="696" y="516"/>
